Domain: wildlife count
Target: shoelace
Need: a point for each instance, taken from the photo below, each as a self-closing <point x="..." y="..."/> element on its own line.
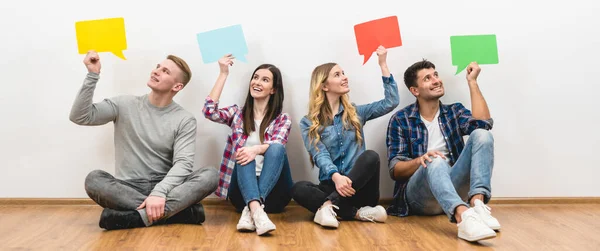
<point x="330" y="209"/>
<point x="367" y="214"/>
<point x="474" y="217"/>
<point x="247" y="218"/>
<point x="262" y="218"/>
<point x="487" y="209"/>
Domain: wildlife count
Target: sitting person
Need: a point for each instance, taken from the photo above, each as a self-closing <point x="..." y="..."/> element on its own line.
<point x="155" y="144"/>
<point x="435" y="172"/>
<point x="333" y="135"/>
<point x="255" y="173"/>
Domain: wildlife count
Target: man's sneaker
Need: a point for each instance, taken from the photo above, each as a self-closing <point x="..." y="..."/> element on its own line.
<point x="486" y="215"/>
<point x="472" y="228"/>
<point x="262" y="222"/>
<point x="246" y="223"/>
<point x="111" y="219"/>
<point x="326" y="217"/>
<point x="193" y="214"/>
<point x="373" y="214"/>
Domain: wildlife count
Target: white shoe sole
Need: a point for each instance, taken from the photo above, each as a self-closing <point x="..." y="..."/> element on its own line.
<point x="382" y="220"/>
<point x="245" y="228"/>
<point x="329" y="224"/>
<point x="477" y="238"/>
<point x="264" y="231"/>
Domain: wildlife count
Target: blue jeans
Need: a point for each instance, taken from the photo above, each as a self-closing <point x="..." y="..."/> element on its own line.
<point x="272" y="188"/>
<point x="440" y="188"/>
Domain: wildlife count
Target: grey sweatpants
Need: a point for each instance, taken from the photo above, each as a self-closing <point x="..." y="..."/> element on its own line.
<point x="110" y="192"/>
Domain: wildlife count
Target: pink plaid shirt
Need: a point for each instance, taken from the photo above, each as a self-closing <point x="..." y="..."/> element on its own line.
<point x="276" y="133"/>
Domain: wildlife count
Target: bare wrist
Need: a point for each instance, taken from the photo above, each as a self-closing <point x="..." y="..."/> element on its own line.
<point x="417" y="161"/>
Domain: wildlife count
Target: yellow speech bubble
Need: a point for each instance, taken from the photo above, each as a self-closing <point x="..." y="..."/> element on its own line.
<point x="103" y="35"/>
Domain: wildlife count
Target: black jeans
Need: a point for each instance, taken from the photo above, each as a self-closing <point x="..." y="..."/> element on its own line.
<point x="365" y="181"/>
<point x="125" y="195"/>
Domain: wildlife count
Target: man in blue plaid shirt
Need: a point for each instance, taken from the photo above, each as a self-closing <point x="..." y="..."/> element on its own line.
<point x="435" y="171"/>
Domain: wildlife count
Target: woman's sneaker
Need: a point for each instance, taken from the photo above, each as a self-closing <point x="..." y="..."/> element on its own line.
<point x="373" y="214"/>
<point x="326" y="217"/>
<point x="262" y="222"/>
<point x="246" y="223"/>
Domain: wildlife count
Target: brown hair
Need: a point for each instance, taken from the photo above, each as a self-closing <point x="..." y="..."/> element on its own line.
<point x="274" y="106"/>
<point x="410" y="75"/>
<point x="183" y="66"/>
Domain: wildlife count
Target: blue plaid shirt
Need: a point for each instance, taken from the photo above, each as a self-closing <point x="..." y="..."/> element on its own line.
<point x="407" y="139"/>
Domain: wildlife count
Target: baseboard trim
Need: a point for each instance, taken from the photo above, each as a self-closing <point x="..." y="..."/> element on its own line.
<point x="46" y="201"/>
<point x="387" y="201"/>
<point x="545" y="200"/>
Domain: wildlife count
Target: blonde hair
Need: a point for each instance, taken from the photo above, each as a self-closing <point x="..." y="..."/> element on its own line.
<point x="319" y="111"/>
<point x="183" y="66"/>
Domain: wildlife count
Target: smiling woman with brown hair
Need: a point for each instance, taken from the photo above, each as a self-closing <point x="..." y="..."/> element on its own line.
<point x="255" y="173"/>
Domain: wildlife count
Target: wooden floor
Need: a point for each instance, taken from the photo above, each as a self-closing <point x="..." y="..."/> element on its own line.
<point x="524" y="227"/>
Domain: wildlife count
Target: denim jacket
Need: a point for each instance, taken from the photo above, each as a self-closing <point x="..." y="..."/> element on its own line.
<point x="338" y="149"/>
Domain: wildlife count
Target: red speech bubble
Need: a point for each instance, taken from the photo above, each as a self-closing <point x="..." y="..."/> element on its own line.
<point x="372" y="34"/>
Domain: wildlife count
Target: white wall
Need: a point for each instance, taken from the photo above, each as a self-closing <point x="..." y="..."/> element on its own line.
<point x="541" y="94"/>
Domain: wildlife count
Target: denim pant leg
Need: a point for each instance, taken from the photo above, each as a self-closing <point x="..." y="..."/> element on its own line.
<point x="472" y="172"/>
<point x="274" y="160"/>
<point x="246" y="179"/>
<point x="275" y="191"/>
<point x="234" y="195"/>
<point x="110" y="192"/>
<point x="430" y="190"/>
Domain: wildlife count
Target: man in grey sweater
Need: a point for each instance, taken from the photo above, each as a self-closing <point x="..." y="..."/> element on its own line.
<point x="155" y="142"/>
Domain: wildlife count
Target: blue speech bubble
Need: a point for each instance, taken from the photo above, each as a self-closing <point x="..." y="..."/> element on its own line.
<point x="215" y="44"/>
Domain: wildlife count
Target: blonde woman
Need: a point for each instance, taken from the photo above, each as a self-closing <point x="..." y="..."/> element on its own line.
<point x="333" y="135"/>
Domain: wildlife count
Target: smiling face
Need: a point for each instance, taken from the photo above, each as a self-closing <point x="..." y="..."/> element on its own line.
<point x="261" y="84"/>
<point x="165" y="77"/>
<point x="429" y="85"/>
<point x="337" y="82"/>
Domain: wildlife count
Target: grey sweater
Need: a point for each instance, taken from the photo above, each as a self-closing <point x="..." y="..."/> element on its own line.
<point x="151" y="143"/>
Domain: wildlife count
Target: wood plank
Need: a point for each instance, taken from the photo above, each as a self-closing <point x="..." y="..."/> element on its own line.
<point x="524" y="227"/>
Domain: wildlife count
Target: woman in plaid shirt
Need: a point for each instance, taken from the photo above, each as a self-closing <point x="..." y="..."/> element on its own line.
<point x="254" y="174"/>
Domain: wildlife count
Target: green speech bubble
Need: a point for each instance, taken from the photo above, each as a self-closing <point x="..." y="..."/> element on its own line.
<point x="482" y="49"/>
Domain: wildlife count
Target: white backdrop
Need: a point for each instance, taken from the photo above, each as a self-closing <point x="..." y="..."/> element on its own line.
<point x="540" y="94"/>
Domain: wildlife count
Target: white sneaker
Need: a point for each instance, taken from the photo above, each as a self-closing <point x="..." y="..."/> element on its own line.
<point x="373" y="214"/>
<point x="472" y="228"/>
<point x="326" y="217"/>
<point x="246" y="223"/>
<point x="486" y="215"/>
<point x="262" y="222"/>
